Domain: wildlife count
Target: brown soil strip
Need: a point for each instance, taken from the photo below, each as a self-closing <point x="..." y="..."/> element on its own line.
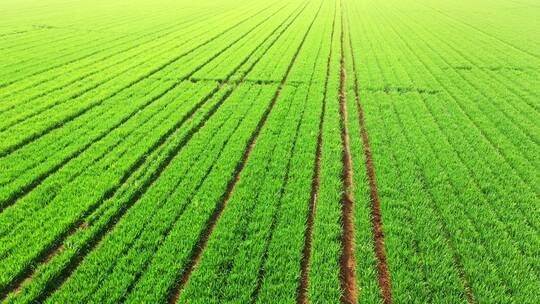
<point x="55" y="252"/>
<point x="304" y="271"/>
<point x="348" y="263"/>
<point x="19" y="288"/>
<point x="469" y="295"/>
<point x="461" y="272"/>
<point x="205" y="235"/>
<point x="376" y="214"/>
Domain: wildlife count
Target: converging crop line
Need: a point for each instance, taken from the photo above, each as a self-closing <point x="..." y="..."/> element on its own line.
<point x="491" y="141"/>
<point x="536" y="56"/>
<point x="100" y="51"/>
<point x="70" y="231"/>
<point x="123" y="22"/>
<point x="312" y="207"/>
<point x="28" y="188"/>
<point x="60" y="123"/>
<point x="212" y="221"/>
<point x="44" y="259"/>
<point x="461" y="160"/>
<point x="23" y="191"/>
<point x="169" y="31"/>
<point x="181" y="212"/>
<point x="468" y="293"/>
<point x="65" y="40"/>
<point x="453" y="186"/>
<point x="142" y="190"/>
<point x="177" y="216"/>
<point x="59" y="243"/>
<point x="275" y="218"/>
<point x="376" y="213"/>
<point x="94" y="241"/>
<point x="59" y="65"/>
<point x="525" y="131"/>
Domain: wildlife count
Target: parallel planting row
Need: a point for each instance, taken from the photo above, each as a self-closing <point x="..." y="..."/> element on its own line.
<point x="269" y="151"/>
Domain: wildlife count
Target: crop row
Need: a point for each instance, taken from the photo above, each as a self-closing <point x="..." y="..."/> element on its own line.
<point x="119" y="152"/>
<point x="52" y="80"/>
<point x="308" y="151"/>
<point x="160" y="93"/>
<point x="171" y="193"/>
<point x="72" y="81"/>
<point x="263" y="223"/>
<point x="74" y="137"/>
<point x="494" y="162"/>
<point x="55" y="117"/>
<point x="67" y="45"/>
<point x="367" y="274"/>
<point x="454" y="158"/>
<point x="120" y="41"/>
<point x="248" y="70"/>
<point x="206" y="195"/>
<point x="172" y="201"/>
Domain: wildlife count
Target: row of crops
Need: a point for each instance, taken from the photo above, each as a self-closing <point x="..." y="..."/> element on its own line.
<point x="269" y="151"/>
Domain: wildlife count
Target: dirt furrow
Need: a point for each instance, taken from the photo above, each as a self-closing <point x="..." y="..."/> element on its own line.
<point x="376" y="214"/>
<point x="304" y="271"/>
<point x="348" y="263"/>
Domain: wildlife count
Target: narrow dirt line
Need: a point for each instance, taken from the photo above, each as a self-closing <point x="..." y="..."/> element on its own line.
<point x="348" y="262"/>
<point x="277" y="214"/>
<point x="181" y="211"/>
<point x="306" y="256"/>
<point x="205" y="235"/>
<point x="94" y="241"/>
<point x="376" y="214"/>
<point x="25" y="190"/>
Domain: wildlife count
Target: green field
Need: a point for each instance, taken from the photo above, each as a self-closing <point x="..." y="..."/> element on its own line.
<point x="308" y="151"/>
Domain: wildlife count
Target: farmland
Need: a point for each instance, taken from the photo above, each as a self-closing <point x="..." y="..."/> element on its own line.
<point x="303" y="151"/>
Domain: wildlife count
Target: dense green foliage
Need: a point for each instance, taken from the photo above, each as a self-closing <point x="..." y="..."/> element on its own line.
<point x="214" y="151"/>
